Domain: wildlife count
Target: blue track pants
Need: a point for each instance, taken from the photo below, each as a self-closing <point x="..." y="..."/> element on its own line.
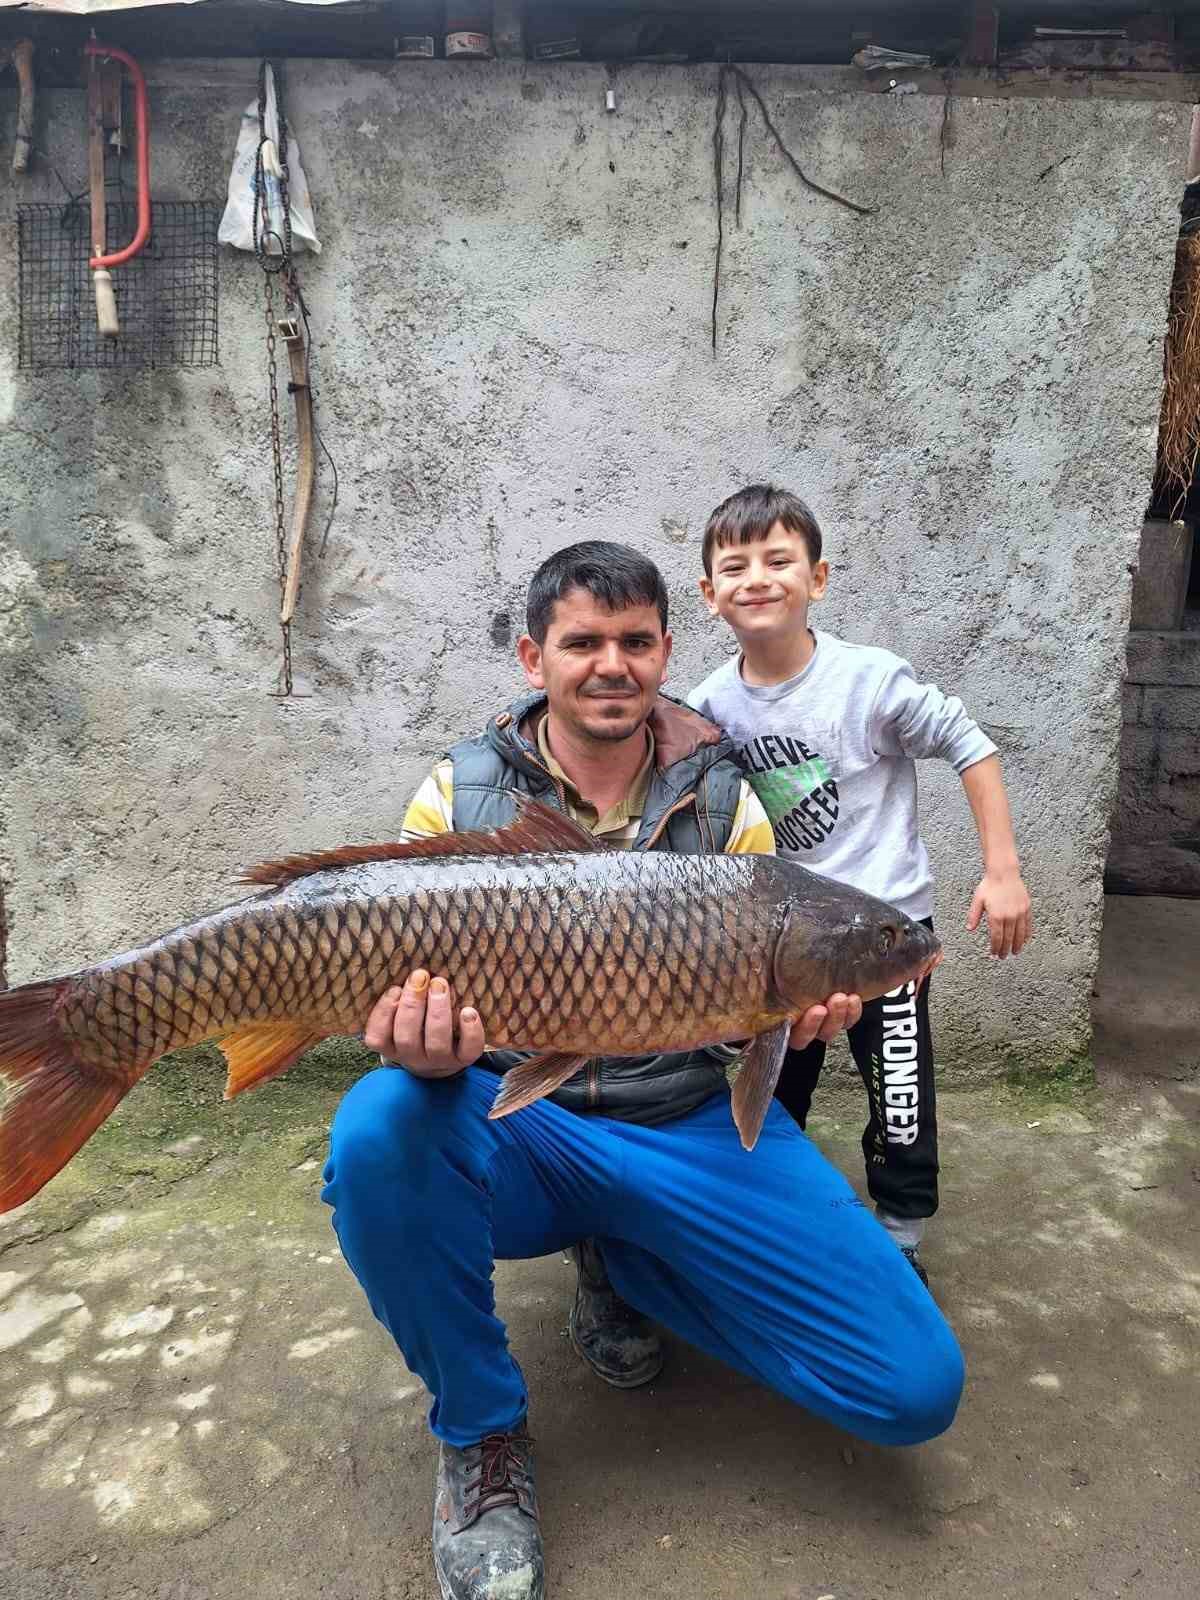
<point x="766" y="1260"/>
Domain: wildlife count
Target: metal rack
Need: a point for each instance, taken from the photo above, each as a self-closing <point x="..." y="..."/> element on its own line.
<point x="166" y="296"/>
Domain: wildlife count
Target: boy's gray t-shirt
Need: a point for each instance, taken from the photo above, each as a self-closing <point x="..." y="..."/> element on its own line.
<point x="830" y="753"/>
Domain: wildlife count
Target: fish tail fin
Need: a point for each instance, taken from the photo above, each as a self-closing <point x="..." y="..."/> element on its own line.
<point x="52" y="1102"/>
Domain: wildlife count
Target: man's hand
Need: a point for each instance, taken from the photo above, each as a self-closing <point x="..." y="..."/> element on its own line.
<point x="414" y="1028"/>
<point x="1005" y="900"/>
<point x="825" y="1022"/>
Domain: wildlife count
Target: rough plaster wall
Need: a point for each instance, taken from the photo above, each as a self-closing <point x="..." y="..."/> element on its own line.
<point x="512" y="314"/>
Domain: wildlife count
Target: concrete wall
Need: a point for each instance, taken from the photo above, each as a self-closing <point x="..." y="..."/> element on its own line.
<point x="512" y="317"/>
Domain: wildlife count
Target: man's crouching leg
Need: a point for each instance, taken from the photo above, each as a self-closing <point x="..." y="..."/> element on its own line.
<point x="770" y="1262"/>
<point x="407" y="1179"/>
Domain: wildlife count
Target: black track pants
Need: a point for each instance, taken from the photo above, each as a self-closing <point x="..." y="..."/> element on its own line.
<point x="893" y="1048"/>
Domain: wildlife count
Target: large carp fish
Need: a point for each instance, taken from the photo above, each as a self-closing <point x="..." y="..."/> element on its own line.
<point x="563" y="949"/>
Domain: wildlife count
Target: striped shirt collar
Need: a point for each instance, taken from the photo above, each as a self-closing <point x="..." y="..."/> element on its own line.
<point x="620" y="823"/>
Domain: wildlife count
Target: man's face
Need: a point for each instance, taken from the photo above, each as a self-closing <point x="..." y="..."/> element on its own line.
<point x="764" y="588"/>
<point x="601" y="669"/>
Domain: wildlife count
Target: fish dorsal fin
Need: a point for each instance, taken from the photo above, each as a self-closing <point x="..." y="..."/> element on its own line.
<point x="537" y="829"/>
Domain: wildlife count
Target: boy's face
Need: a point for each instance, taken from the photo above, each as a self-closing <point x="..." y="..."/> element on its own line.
<point x="601" y="669"/>
<point x="764" y="589"/>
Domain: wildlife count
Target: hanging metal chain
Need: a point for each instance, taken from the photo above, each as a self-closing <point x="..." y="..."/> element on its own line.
<point x="290" y="284"/>
<point x="273" y="266"/>
<point x="277" y="464"/>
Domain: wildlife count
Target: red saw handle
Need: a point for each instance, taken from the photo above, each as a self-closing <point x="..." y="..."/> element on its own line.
<point x="142" y="115"/>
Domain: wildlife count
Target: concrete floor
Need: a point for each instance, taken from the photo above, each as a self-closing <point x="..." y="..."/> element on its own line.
<point x="1146" y="1010"/>
<point x="196" y="1405"/>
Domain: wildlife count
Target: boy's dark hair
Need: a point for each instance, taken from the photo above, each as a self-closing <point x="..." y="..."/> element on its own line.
<point x="751" y="513"/>
<point x="611" y="573"/>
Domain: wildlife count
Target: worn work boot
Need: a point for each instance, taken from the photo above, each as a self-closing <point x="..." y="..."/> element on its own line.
<point x="616" y="1341"/>
<point x="487" y="1544"/>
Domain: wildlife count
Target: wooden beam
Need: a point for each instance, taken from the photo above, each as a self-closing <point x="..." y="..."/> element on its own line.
<point x="240" y="75"/>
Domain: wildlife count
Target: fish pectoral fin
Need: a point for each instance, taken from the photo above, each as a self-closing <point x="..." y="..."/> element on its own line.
<point x="541" y="1075"/>
<point x="262" y="1050"/>
<point x="755" y="1086"/>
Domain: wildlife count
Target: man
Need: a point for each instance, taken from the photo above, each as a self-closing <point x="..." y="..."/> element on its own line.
<point x="765" y="1260"/>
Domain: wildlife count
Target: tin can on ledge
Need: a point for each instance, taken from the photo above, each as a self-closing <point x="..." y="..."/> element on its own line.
<point x="423" y="25"/>
<point x="419" y="46"/>
<point x="468" y="32"/>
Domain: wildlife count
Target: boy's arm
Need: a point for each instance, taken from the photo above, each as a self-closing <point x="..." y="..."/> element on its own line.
<point x="1001" y="894"/>
<point x="918" y="720"/>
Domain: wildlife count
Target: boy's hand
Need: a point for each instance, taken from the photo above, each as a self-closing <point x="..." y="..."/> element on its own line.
<point x="1005" y="902"/>
<point x="414" y="1028"/>
<point x="825" y="1022"/>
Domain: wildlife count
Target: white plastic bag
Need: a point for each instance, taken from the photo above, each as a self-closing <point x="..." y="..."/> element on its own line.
<point x="237" y="223"/>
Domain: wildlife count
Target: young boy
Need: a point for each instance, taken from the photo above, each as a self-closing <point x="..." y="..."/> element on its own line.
<point x="827" y="734"/>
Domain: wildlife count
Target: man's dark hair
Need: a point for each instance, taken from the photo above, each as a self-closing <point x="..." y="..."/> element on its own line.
<point x="751" y="513"/>
<point x="611" y="573"/>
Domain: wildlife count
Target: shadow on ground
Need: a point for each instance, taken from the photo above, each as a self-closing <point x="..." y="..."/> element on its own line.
<point x="196" y="1405"/>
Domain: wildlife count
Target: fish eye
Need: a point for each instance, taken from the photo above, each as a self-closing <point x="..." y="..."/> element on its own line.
<point x="887" y="938"/>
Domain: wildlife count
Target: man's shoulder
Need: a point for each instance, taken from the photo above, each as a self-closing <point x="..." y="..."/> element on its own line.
<point x="751" y="834"/>
<point x="499" y="726"/>
<point x="431" y="809"/>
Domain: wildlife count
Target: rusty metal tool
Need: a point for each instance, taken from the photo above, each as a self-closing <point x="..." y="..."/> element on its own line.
<point x="101" y="259"/>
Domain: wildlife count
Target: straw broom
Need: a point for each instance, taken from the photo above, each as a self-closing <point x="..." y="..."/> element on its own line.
<point x="1179" y="423"/>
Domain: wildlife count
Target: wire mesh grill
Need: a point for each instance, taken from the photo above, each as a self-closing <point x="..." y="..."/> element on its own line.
<point x="166" y="295"/>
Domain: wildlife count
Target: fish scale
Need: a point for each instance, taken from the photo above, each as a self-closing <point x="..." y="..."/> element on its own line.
<point x="523" y="944"/>
<point x="566" y="951"/>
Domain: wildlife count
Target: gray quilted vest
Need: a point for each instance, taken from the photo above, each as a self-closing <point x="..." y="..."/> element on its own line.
<point x="690" y="808"/>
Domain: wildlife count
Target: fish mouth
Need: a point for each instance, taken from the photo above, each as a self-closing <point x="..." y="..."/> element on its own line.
<point x="935" y="960"/>
<point x="924" y="960"/>
<point x="928" y="965"/>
